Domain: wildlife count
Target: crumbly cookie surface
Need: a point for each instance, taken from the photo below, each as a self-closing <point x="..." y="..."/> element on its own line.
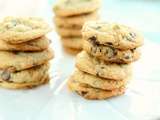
<point x="99" y="68"/>
<point x="114" y="35"/>
<point x="110" y="54"/>
<point x="39" y="44"/>
<point x="17" y="61"/>
<point x="89" y="92"/>
<point x="97" y="82"/>
<point x="75" y="21"/>
<point x="66" y="8"/>
<point x="16" y="30"/>
<point x="73" y="42"/>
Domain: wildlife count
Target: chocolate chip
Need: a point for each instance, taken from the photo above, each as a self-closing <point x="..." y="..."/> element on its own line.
<point x="110" y="51"/>
<point x="130" y="37"/>
<point x="109" y="43"/>
<point x="5" y="75"/>
<point x="127" y="56"/>
<point x="83" y="93"/>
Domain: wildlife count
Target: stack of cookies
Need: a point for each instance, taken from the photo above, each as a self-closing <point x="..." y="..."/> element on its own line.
<point x="104" y="67"/>
<point x="24" y="52"/>
<point x="70" y="15"/>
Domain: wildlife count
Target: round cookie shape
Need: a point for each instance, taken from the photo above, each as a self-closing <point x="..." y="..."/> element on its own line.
<point x="15" y="30"/>
<point x="25" y="76"/>
<point x="110" y="54"/>
<point x="75" y="21"/>
<point x="38" y="44"/>
<point x="71" y="51"/>
<point x="111" y="34"/>
<point x="65" y="8"/>
<point x="89" y="92"/>
<point x="17" y="61"/>
<point x="72" y="42"/>
<point x="97" y="82"/>
<point x="99" y="68"/>
<point x="68" y="32"/>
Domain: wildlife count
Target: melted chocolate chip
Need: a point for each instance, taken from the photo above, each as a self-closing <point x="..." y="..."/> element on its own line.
<point x="5" y="75"/>
<point x="83" y="93"/>
<point x="130" y="37"/>
<point x="109" y="43"/>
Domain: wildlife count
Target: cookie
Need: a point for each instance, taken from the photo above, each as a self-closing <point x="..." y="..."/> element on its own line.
<point x="27" y="85"/>
<point x="110" y="54"/>
<point x="75" y="21"/>
<point x="65" y="8"/>
<point x="89" y="92"/>
<point x="38" y="44"/>
<point x="72" y="42"/>
<point x="97" y="82"/>
<point x="17" y="61"/>
<point x="114" y="35"/>
<point x="24" y="76"/>
<point x="71" y="50"/>
<point x="68" y="32"/>
<point x="16" y="30"/>
<point x="99" y="68"/>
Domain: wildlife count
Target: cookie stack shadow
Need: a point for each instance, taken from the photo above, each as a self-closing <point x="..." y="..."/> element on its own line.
<point x="24" y="52"/>
<point x="70" y="15"/>
<point x="104" y="68"/>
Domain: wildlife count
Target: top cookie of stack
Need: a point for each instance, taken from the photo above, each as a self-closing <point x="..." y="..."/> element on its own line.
<point x="70" y="15"/>
<point x="112" y="42"/>
<point x="24" y="52"/>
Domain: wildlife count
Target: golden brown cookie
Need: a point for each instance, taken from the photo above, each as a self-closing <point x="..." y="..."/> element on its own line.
<point x="68" y="32"/>
<point x="16" y="30"/>
<point x="24" y="79"/>
<point x="110" y="54"/>
<point x="71" y="51"/>
<point x="97" y="82"/>
<point x="66" y="8"/>
<point x="99" y="68"/>
<point x="38" y="44"/>
<point x="72" y="42"/>
<point x="75" y="21"/>
<point x="17" y="61"/>
<point x="110" y="34"/>
<point x="89" y="92"/>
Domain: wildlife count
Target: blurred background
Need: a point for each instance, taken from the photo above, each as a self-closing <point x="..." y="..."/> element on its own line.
<point x="141" y="14"/>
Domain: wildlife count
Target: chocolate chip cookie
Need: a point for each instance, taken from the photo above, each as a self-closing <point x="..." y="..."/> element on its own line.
<point x="89" y="92"/>
<point x="66" y="8"/>
<point x="24" y="79"/>
<point x="99" y="68"/>
<point x="38" y="44"/>
<point x="68" y="32"/>
<point x="17" y="61"/>
<point x="16" y="30"/>
<point x="75" y="21"/>
<point x="72" y="42"/>
<point x="114" y="35"/>
<point x="110" y="54"/>
<point x="97" y="82"/>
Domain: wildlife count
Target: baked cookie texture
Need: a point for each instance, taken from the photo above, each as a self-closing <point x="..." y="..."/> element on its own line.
<point x="111" y="54"/>
<point x="38" y="44"/>
<point x="65" y="8"/>
<point x="112" y="34"/>
<point x="70" y="15"/>
<point x="74" y="43"/>
<point x="16" y="30"/>
<point x="23" y="60"/>
<point x="89" y="64"/>
<point x="104" y="67"/>
<point x="92" y="93"/>
<point x="24" y="52"/>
